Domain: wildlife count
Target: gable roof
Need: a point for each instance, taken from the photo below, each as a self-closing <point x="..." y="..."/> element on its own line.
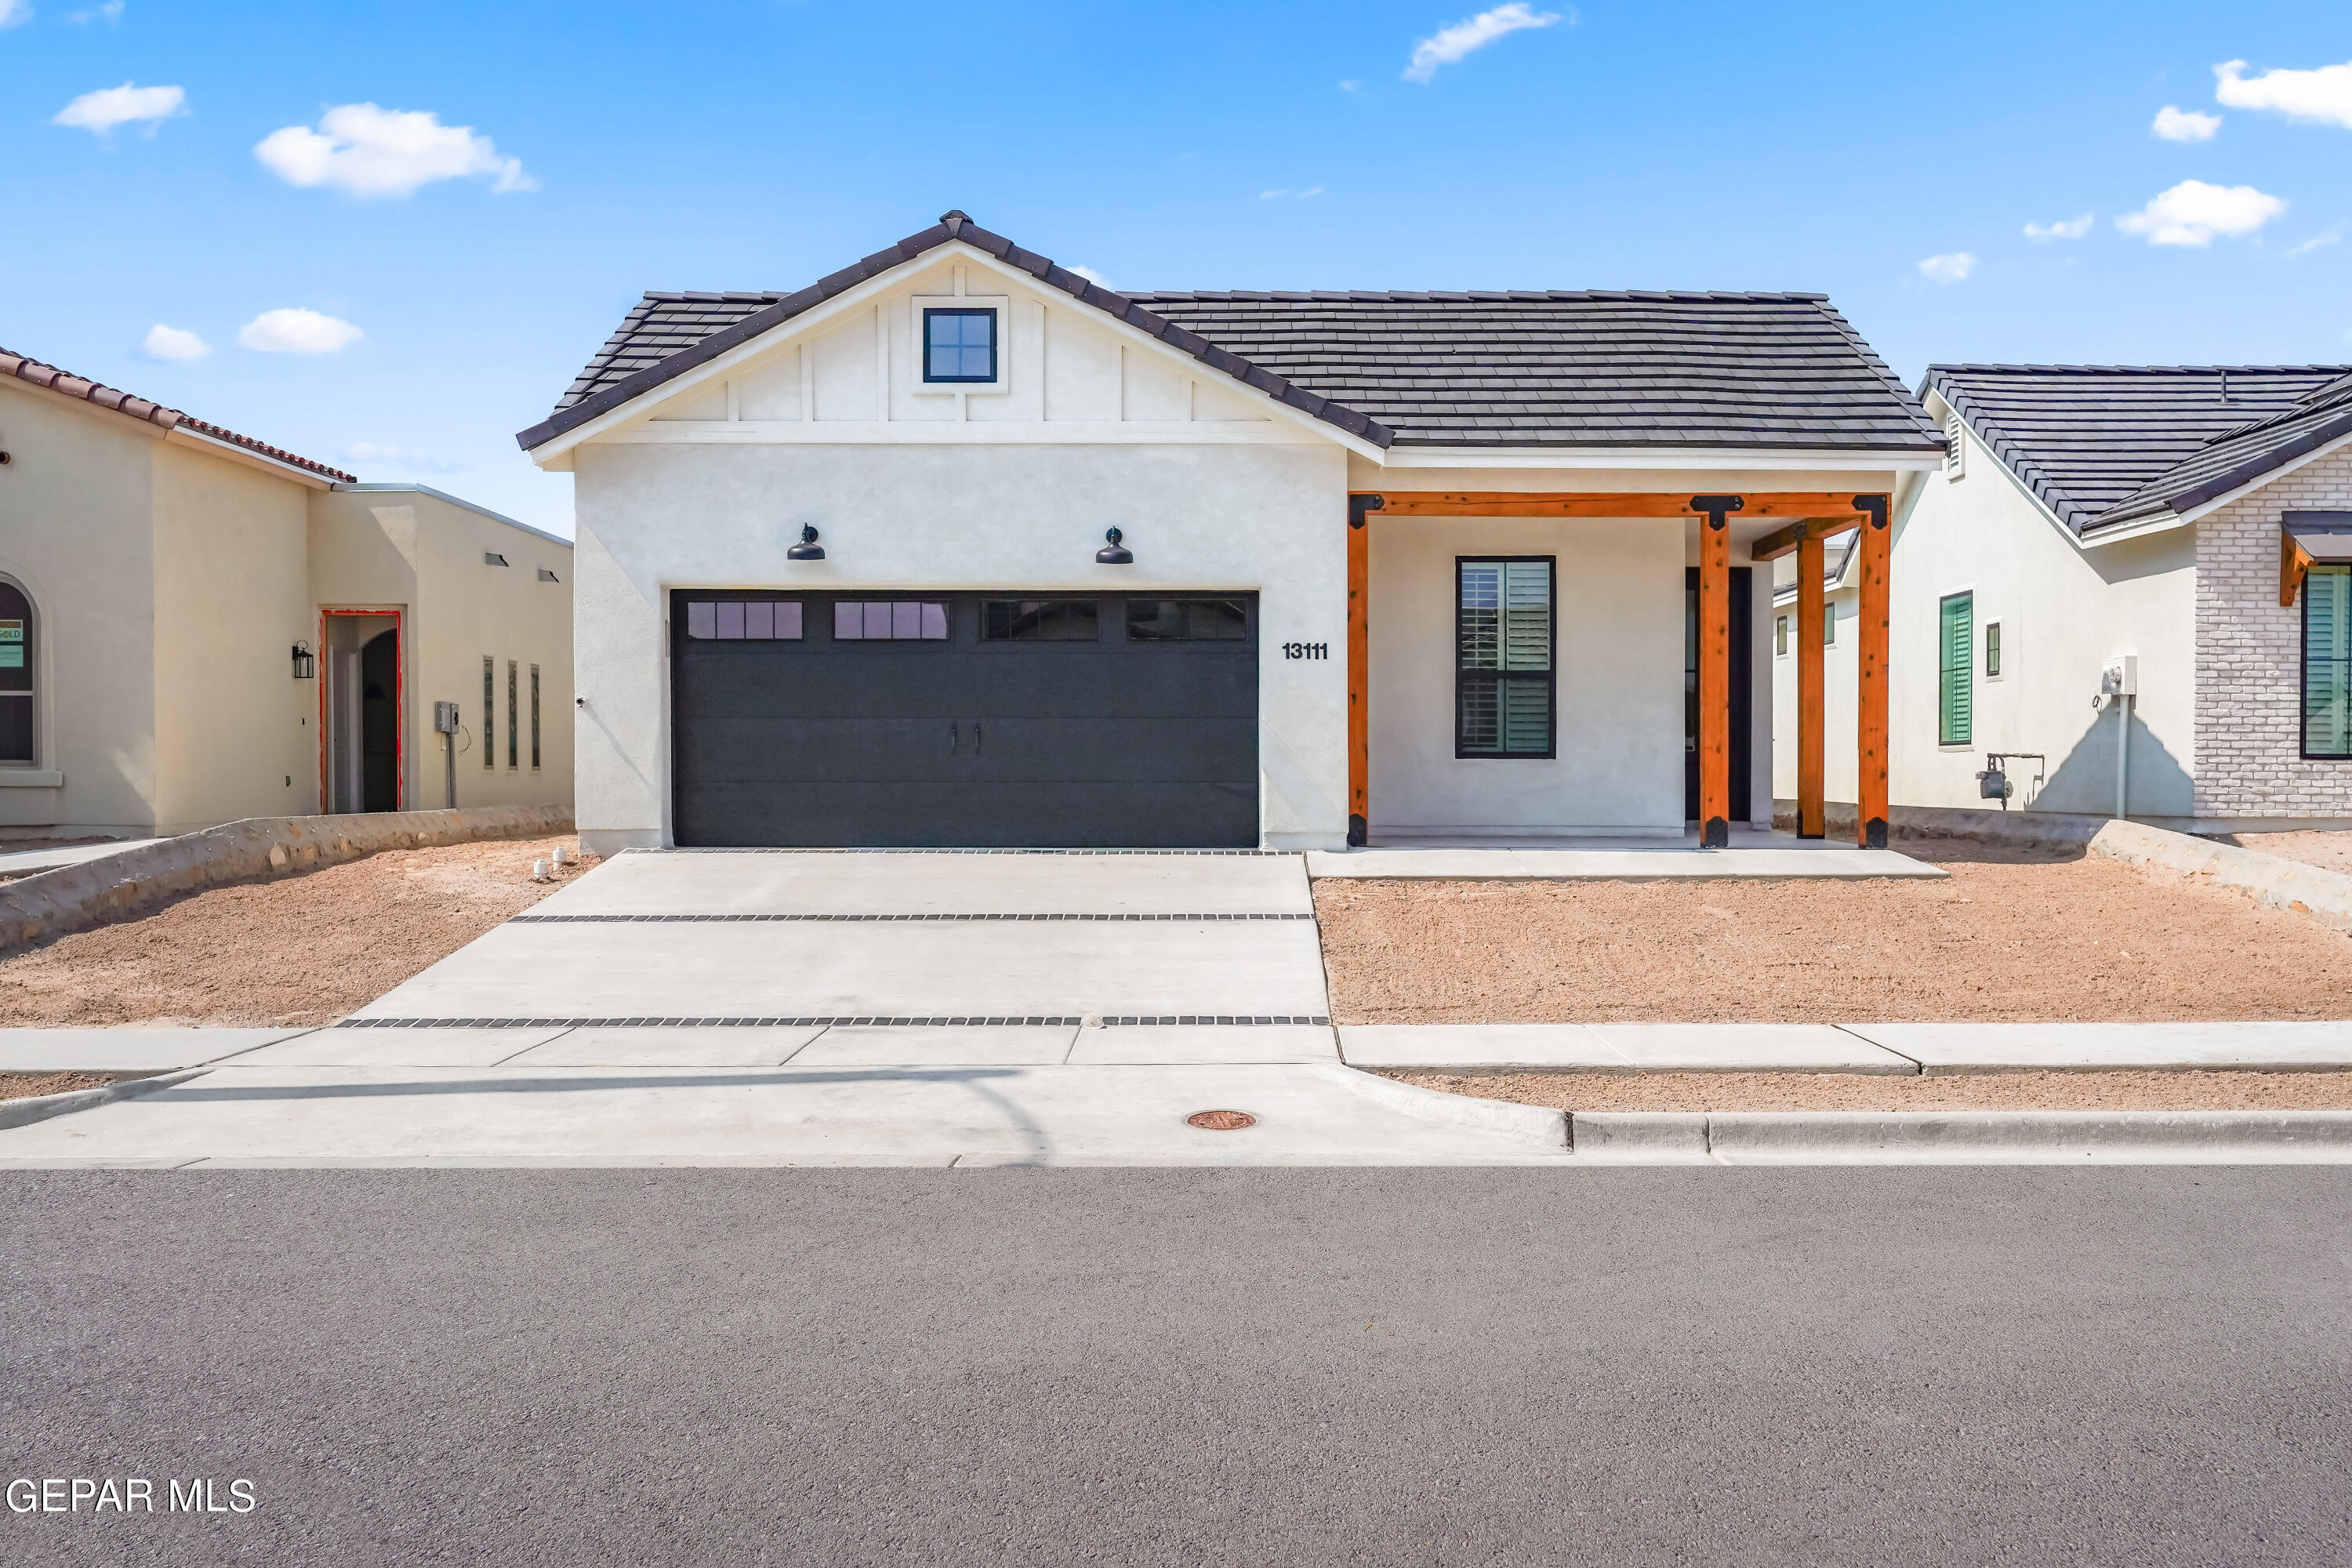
<point x="1514" y="368"/>
<point x="2102" y="446"/>
<point x="140" y="408"/>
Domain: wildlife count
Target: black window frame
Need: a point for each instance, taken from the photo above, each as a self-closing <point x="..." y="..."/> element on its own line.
<point x="988" y="603"/>
<point x="995" y="345"/>
<point x="2302" y="683"/>
<point x="1131" y="603"/>
<point x="1551" y="676"/>
<point x="31" y="694"/>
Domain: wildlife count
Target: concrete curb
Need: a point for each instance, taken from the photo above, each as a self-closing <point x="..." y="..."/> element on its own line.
<point x="1803" y="1137"/>
<point x="2036" y="827"/>
<point x="1535" y="1123"/>
<point x="2324" y="896"/>
<point x="41" y="1107"/>
<point x="115" y="887"/>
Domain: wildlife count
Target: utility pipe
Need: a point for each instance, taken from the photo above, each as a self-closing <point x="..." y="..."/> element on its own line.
<point x="2123" y="754"/>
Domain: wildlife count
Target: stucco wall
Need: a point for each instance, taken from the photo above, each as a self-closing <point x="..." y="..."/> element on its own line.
<point x="76" y="501"/>
<point x="1841" y="736"/>
<point x="1618" y="660"/>
<point x="1269" y="518"/>
<point x="2250" y="658"/>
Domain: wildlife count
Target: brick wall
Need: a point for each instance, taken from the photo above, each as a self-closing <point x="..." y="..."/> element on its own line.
<point x="2250" y="658"/>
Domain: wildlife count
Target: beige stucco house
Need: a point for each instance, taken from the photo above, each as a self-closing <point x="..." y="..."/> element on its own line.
<point x="2182" y="532"/>
<point x="196" y="627"/>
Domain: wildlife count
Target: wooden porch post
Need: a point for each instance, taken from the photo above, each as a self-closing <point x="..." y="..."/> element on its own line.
<point x="1812" y="726"/>
<point x="1715" y="669"/>
<point x="1360" y="665"/>
<point x="1876" y="545"/>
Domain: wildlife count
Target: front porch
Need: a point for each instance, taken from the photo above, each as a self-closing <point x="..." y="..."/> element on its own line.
<point x="1750" y="853"/>
<point x="1595" y="705"/>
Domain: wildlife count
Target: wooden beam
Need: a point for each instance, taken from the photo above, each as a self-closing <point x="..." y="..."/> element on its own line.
<point x="1781" y="541"/>
<point x="1360" y="665"/>
<point x="1602" y="503"/>
<point x="2295" y="564"/>
<point x="1870" y="686"/>
<point x="1715" y="683"/>
<point x="1812" y="719"/>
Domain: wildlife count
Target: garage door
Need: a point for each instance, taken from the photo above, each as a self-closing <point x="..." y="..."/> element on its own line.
<point x="964" y="720"/>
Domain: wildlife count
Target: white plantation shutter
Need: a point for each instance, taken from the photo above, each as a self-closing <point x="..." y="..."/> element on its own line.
<point x="1504" y="658"/>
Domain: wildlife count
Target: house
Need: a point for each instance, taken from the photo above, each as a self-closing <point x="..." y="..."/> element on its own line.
<point x="956" y="546"/>
<point x="2183" y="533"/>
<point x="196" y="627"/>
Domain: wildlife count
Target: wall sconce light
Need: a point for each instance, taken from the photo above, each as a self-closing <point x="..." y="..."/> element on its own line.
<point x="808" y="549"/>
<point x="1113" y="554"/>
<point x="306" y="663"/>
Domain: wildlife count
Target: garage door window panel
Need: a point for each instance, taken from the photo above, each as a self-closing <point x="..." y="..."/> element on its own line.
<point x="743" y="620"/>
<point x="1040" y="620"/>
<point x="890" y="620"/>
<point x="1187" y="620"/>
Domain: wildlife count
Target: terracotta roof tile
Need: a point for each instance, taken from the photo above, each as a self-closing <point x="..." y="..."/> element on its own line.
<point x="140" y="408"/>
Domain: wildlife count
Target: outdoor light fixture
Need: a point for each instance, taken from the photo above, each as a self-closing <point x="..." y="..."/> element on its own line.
<point x="1115" y="554"/>
<point x="306" y="663"/>
<point x="808" y="549"/>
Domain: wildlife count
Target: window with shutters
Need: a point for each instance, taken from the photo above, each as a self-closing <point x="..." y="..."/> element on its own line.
<point x="2327" y="662"/>
<point x="1955" y="669"/>
<point x="1503" y="664"/>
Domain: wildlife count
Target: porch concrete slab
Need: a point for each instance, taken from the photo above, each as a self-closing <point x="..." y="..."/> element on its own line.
<point x="1748" y="1047"/>
<point x="883" y="1115"/>
<point x="1676" y="862"/>
<point x="2251" y="1046"/>
<point x="741" y="1046"/>
<point x="869" y="882"/>
<point x="402" y="1047"/>
<point x="967" y="1045"/>
<point x="1180" y="1043"/>
<point x="821" y="970"/>
<point x="127" y="1050"/>
<point x="1480" y="1048"/>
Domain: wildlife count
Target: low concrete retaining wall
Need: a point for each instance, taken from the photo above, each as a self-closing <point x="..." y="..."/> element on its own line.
<point x="116" y="886"/>
<point x="1993" y="827"/>
<point x="40" y="1108"/>
<point x="2282" y="884"/>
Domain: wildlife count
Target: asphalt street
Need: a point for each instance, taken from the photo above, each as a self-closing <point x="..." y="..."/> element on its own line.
<point x="2124" y="1364"/>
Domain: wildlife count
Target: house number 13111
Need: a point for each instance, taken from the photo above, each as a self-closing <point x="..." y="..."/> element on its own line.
<point x="1306" y="650"/>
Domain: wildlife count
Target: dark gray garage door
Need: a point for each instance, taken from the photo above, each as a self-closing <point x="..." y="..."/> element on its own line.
<point x="965" y="721"/>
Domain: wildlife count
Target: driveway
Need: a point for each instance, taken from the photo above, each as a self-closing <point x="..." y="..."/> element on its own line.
<point x="717" y="1007"/>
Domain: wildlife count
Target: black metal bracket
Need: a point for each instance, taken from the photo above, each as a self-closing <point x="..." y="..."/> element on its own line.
<point x="1359" y="505"/>
<point x="1875" y="506"/>
<point x="1717" y="506"/>
<point x="1359" y="832"/>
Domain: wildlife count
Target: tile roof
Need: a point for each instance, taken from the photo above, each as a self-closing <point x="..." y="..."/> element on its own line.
<point x="2106" y="445"/>
<point x="124" y="403"/>
<point x="1474" y="369"/>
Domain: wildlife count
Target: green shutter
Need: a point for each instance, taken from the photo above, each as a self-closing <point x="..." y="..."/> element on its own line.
<point x="1955" y="666"/>
<point x="2327" y="662"/>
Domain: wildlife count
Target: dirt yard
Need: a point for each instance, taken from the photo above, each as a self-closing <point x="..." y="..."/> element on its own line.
<point x="1863" y="1091"/>
<point x="2016" y="935"/>
<point x="303" y="949"/>
<point x="2328" y="851"/>
<point x="27" y="1085"/>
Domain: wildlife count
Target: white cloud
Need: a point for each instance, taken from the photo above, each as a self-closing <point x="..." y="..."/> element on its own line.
<point x="108" y="107"/>
<point x="1351" y="87"/>
<point x="2185" y="125"/>
<point x="296" y="332"/>
<point x="1270" y="196"/>
<point x="2192" y="213"/>
<point x="2070" y="228"/>
<point x="1952" y="269"/>
<point x="1095" y="278"/>
<point x="170" y="342"/>
<point x="110" y="12"/>
<point x="15" y="11"/>
<point x="365" y="151"/>
<point x="1275" y="195"/>
<point x="2327" y="236"/>
<point x="1447" y="45"/>
<point x="2322" y="97"/>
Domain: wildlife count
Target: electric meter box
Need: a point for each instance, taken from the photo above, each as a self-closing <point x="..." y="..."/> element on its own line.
<point x="445" y="718"/>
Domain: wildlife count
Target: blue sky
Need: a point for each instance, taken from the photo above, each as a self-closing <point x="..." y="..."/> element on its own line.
<point x="1859" y="148"/>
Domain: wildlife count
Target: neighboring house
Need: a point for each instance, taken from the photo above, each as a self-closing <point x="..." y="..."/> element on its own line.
<point x="196" y="627"/>
<point x="2192" y="525"/>
<point x="958" y="547"/>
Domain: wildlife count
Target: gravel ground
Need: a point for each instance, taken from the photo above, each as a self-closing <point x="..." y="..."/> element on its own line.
<point x="1866" y="1091"/>
<point x="2328" y="851"/>
<point x="28" y="1085"/>
<point x="2017" y="935"/>
<point x="302" y="950"/>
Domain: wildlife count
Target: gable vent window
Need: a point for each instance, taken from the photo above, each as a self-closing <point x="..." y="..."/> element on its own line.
<point x="1957" y="446"/>
<point x="959" y="346"/>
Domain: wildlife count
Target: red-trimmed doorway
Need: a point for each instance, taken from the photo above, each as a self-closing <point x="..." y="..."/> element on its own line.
<point x="361" y="712"/>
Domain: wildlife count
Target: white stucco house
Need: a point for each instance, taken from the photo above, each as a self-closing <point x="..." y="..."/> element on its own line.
<point x="957" y="547"/>
<point x="196" y="626"/>
<point x="2189" y="529"/>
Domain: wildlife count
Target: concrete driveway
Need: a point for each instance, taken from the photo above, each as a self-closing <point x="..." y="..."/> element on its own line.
<point x="743" y="1007"/>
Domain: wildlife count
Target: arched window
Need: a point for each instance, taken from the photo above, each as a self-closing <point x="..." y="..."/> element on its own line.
<point x="16" y="644"/>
